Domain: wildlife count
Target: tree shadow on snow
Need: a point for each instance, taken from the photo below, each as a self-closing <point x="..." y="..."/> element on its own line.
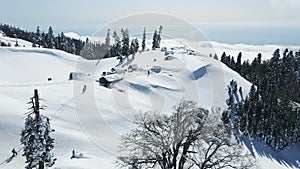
<point x="287" y="157"/>
<point x="8" y="160"/>
<point x="199" y="73"/>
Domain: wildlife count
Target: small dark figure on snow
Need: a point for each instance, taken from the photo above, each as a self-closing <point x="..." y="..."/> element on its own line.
<point x="73" y="154"/>
<point x="71" y="76"/>
<point x="84" y="89"/>
<point x="148" y="72"/>
<point x="14" y="152"/>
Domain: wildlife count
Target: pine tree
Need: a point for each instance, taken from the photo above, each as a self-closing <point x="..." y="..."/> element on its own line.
<point x="137" y="46"/>
<point x="223" y="58"/>
<point x="125" y="43"/>
<point x="37" y="38"/>
<point x="216" y="57"/>
<point x="226" y="118"/>
<point x="50" y="38"/>
<point x="155" y="40"/>
<point x="107" y="48"/>
<point x="107" y="39"/>
<point x="57" y="42"/>
<point x="238" y="65"/>
<point x="144" y="40"/>
<point x="63" y="42"/>
<point x="132" y="47"/>
<point x="44" y="40"/>
<point x="72" y="48"/>
<point x="88" y="50"/>
<point x="116" y="49"/>
<point x="159" y="36"/>
<point x="35" y="137"/>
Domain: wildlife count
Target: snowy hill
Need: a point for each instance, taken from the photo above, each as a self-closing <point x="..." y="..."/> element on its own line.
<point x="12" y="41"/>
<point x="92" y="121"/>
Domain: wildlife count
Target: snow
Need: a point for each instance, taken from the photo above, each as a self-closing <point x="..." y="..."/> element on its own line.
<point x="74" y="35"/>
<point x="269" y="158"/>
<point x="92" y="122"/>
<point x="12" y="41"/>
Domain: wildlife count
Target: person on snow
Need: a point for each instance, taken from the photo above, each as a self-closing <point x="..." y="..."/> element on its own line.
<point x="73" y="154"/>
<point x="84" y="89"/>
<point x="14" y="152"/>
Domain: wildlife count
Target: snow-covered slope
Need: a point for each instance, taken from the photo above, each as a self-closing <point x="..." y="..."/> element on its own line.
<point x="92" y="122"/>
<point x="12" y="41"/>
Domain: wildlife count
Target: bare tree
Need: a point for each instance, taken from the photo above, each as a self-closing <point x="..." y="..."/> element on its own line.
<point x="189" y="138"/>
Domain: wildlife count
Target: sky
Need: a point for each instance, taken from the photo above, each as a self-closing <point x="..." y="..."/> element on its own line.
<point x="232" y="21"/>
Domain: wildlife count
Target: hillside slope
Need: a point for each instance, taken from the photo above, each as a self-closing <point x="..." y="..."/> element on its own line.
<point x="92" y="122"/>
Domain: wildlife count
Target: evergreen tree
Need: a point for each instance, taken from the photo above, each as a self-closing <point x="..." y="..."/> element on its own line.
<point x="116" y="49"/>
<point x="226" y="118"/>
<point x="238" y="65"/>
<point x="36" y="139"/>
<point x="134" y="46"/>
<point x="144" y="40"/>
<point x="63" y="42"/>
<point x="223" y="58"/>
<point x="232" y="63"/>
<point x="107" y="39"/>
<point x="274" y="73"/>
<point x="38" y="36"/>
<point x="50" y="38"/>
<point x="35" y="42"/>
<point x="88" y="50"/>
<point x="107" y="47"/>
<point x="72" y="48"/>
<point x="216" y="57"/>
<point x="159" y="36"/>
<point x="44" y="40"/>
<point x="125" y="43"/>
<point x="137" y="46"/>
<point x="155" y="40"/>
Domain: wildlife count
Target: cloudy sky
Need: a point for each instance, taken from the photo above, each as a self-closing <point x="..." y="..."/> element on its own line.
<point x="217" y="18"/>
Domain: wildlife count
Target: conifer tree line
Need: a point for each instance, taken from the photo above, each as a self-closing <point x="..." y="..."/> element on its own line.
<point x="87" y="49"/>
<point x="44" y="39"/>
<point x="123" y="46"/>
<point x="271" y="111"/>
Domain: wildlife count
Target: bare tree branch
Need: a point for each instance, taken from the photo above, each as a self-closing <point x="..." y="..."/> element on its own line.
<point x="189" y="138"/>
